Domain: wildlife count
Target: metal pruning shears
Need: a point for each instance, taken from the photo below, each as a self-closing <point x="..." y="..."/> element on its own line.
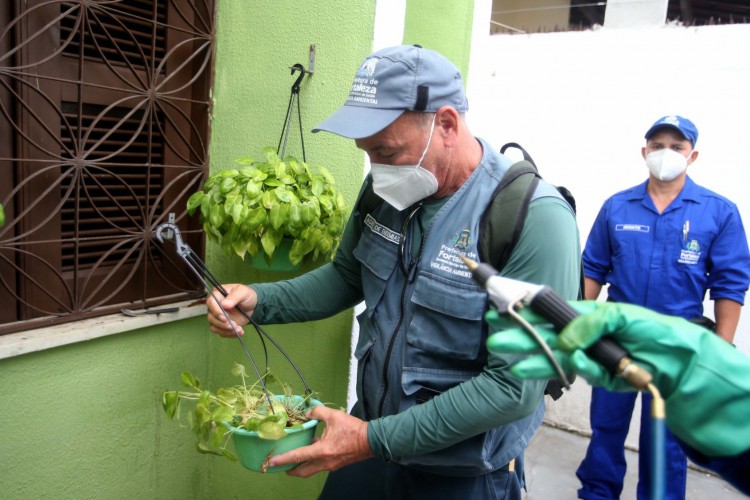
<point x="170" y="231"/>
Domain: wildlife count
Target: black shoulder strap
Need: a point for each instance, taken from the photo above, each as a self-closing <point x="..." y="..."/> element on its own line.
<point x="368" y="200"/>
<point x="526" y="155"/>
<point x="503" y="219"/>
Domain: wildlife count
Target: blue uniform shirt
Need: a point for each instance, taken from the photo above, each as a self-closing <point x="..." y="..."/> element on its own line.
<point x="667" y="261"/>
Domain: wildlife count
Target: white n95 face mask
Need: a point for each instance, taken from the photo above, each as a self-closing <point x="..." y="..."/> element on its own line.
<point x="403" y="185"/>
<point x="666" y="164"/>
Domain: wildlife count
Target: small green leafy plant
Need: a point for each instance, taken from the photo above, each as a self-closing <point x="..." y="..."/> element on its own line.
<point x="256" y="205"/>
<point x="216" y="415"/>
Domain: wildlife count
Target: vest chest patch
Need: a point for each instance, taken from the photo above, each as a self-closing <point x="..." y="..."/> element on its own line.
<point x="448" y="258"/>
<point x="381" y="230"/>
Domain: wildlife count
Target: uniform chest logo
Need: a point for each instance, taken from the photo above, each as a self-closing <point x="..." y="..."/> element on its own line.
<point x="462" y="241"/>
<point x="691" y="253"/>
<point x="448" y="259"/>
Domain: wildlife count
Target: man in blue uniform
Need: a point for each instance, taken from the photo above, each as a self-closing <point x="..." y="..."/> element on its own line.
<point x="661" y="245"/>
<point x="437" y="416"/>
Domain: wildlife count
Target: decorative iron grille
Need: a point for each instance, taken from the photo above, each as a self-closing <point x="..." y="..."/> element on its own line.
<point x="104" y="113"/>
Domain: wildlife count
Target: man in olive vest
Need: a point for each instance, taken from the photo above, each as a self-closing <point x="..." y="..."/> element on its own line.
<point x="437" y="415"/>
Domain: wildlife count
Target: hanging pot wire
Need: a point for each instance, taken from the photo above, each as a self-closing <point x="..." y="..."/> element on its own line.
<point x="170" y="231"/>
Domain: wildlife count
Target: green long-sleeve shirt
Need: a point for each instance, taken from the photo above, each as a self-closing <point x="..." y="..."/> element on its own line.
<point x="547" y="255"/>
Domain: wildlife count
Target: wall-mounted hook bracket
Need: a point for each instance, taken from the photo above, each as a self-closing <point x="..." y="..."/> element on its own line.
<point x="290" y="110"/>
<point x="311" y="63"/>
<point x="299" y="67"/>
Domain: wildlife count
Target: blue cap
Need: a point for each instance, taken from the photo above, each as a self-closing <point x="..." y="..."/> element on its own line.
<point x="684" y="126"/>
<point x="394" y="80"/>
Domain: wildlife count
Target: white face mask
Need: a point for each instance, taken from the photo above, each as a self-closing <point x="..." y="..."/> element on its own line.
<point x="666" y="164"/>
<point x="403" y="185"/>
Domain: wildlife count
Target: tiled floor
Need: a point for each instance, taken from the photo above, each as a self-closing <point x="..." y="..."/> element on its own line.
<point x="553" y="457"/>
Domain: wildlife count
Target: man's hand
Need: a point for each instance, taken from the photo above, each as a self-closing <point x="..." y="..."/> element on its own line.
<point x="343" y="442"/>
<point x="238" y="294"/>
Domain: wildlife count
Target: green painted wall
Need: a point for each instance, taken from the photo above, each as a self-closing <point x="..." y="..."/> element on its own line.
<point x="85" y="421"/>
<point x="443" y="26"/>
<point x="255" y="48"/>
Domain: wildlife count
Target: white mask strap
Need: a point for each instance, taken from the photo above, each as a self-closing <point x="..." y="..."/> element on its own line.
<point x="429" y="139"/>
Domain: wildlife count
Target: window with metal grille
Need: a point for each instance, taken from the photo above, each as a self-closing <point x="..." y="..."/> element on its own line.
<point x="104" y="110"/>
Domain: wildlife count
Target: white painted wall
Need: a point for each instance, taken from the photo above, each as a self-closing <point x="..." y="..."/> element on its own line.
<point x="580" y="103"/>
<point x="635" y="13"/>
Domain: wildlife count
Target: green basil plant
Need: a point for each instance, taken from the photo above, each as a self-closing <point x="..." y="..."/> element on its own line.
<point x="254" y="206"/>
<point x="214" y="415"/>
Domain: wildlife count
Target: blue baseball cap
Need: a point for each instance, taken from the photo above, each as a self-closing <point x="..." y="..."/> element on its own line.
<point x="684" y="126"/>
<point x="394" y="80"/>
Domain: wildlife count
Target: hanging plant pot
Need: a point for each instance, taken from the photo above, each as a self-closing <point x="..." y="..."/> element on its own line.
<point x="254" y="207"/>
<point x="254" y="451"/>
<point x="279" y="260"/>
<point x="258" y="422"/>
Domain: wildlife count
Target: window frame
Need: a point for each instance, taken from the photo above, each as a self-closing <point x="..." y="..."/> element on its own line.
<point x="42" y="74"/>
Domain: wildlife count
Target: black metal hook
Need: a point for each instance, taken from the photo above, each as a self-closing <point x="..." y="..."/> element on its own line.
<point x="290" y="112"/>
<point x="301" y="69"/>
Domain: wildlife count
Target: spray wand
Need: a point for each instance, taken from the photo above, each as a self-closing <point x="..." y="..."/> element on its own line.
<point x="509" y="296"/>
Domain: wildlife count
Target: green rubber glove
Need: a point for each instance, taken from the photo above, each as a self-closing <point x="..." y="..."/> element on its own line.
<point x="704" y="380"/>
<point x="511" y="338"/>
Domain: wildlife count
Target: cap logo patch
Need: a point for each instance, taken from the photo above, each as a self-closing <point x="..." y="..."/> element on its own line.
<point x="368" y="68"/>
<point x="364" y="88"/>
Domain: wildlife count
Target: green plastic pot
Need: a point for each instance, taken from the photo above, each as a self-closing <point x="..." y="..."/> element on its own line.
<point x="253" y="450"/>
<point x="279" y="261"/>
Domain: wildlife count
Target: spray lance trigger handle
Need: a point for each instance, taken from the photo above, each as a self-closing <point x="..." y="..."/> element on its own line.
<point x="608" y="353"/>
<point x="548" y="304"/>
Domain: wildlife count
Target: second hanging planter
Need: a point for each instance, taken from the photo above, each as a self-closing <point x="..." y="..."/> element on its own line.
<point x="279" y="261"/>
<point x="254" y="207"/>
